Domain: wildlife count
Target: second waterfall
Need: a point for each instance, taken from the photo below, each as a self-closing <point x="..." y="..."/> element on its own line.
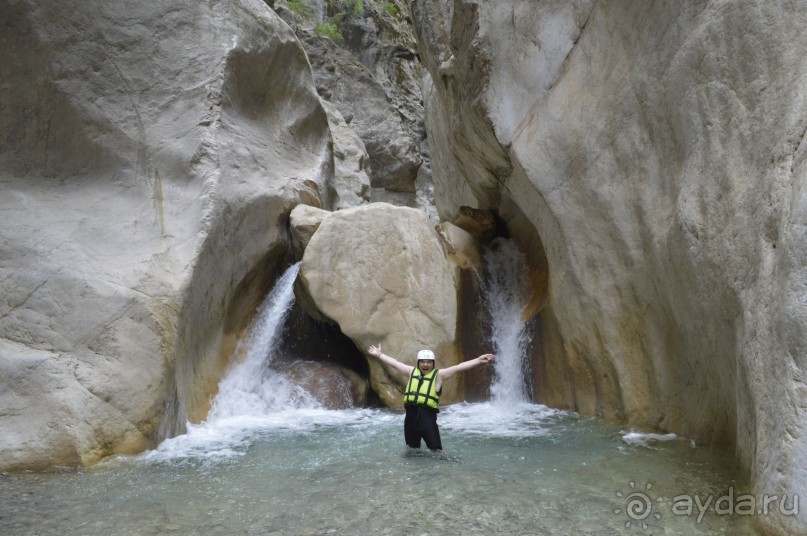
<point x="503" y="293"/>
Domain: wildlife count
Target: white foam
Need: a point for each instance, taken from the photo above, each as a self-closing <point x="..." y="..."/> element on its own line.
<point x="520" y="419"/>
<point x="227" y="438"/>
<point x="647" y="439"/>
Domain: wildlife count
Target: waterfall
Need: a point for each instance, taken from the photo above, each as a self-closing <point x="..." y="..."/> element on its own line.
<point x="250" y="388"/>
<point x="503" y="292"/>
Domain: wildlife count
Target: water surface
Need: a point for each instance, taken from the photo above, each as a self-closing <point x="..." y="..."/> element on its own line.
<point x="270" y="460"/>
<point x="507" y="470"/>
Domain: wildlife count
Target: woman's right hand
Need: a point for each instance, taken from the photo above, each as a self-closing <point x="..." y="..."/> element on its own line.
<point x="374" y="350"/>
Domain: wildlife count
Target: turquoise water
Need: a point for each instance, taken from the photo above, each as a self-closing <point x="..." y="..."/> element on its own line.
<point x="271" y="460"/>
<point x="522" y="469"/>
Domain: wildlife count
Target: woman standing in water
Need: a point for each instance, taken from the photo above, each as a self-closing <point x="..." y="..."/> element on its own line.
<point x="422" y="393"/>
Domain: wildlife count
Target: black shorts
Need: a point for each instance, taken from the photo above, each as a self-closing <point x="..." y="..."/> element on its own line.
<point x="421" y="422"/>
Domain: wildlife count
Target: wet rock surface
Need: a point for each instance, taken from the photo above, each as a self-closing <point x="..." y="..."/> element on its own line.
<point x="661" y="164"/>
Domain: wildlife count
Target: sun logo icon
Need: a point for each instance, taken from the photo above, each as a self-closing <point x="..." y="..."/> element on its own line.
<point x="638" y="506"/>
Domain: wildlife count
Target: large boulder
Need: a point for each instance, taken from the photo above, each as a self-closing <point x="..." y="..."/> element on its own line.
<point x="380" y="273"/>
<point x="657" y="150"/>
<point x="151" y="155"/>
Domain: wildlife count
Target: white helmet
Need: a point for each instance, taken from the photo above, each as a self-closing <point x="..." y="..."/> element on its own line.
<point x="426" y="355"/>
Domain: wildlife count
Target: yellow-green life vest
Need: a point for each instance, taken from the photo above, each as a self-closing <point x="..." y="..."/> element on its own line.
<point x="422" y="390"/>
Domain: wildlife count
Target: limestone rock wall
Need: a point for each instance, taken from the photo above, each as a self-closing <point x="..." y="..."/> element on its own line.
<point x="657" y="150"/>
<point x="151" y="154"/>
<point x="370" y="72"/>
<point x="351" y="182"/>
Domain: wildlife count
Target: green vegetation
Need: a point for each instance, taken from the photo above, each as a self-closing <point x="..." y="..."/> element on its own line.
<point x="330" y="29"/>
<point x="343" y="11"/>
<point x="391" y="8"/>
<point x="351" y="8"/>
<point x="300" y="8"/>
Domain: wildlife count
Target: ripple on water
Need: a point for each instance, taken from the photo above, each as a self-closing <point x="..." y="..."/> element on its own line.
<point x="526" y="470"/>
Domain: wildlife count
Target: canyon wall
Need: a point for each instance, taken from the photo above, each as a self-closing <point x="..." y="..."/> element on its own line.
<point x="151" y="154"/>
<point x="656" y="151"/>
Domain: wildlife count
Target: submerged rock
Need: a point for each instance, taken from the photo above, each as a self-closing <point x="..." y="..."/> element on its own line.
<point x="332" y="386"/>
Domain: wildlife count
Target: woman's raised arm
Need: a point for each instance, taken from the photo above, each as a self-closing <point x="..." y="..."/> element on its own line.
<point x="404" y="369"/>
<point x="448" y="373"/>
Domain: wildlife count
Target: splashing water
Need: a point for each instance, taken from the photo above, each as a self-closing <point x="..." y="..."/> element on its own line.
<point x="252" y="396"/>
<point x="250" y="388"/>
<point x="503" y="292"/>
